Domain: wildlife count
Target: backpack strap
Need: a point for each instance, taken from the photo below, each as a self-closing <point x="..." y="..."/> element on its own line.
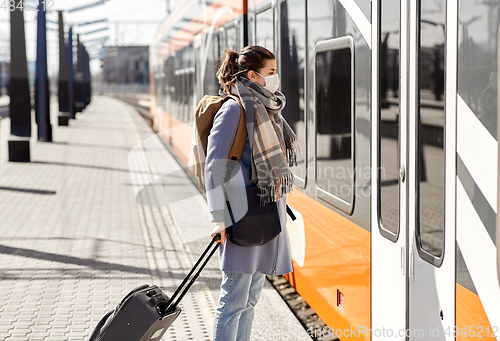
<point x="241" y="134"/>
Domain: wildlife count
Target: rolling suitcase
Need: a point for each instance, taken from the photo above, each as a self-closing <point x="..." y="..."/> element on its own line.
<point x="146" y="312"/>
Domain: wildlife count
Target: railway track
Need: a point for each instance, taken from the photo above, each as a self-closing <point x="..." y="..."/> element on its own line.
<point x="135" y="102"/>
<point x="312" y="323"/>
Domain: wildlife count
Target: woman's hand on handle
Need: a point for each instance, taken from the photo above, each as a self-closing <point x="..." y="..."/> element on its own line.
<point x="221" y="229"/>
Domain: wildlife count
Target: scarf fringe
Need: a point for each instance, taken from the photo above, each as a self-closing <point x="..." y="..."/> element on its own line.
<point x="260" y="107"/>
<point x="292" y="151"/>
<point x="277" y="189"/>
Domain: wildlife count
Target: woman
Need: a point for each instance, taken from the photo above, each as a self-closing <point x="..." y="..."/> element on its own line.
<point x="269" y="152"/>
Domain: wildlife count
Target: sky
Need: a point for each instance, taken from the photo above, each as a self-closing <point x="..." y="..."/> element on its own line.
<point x="146" y="15"/>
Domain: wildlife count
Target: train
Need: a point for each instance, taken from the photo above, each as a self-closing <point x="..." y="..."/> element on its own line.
<point x="394" y="103"/>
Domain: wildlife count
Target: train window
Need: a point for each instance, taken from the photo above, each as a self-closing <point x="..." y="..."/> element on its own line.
<point x="389" y="127"/>
<point x="430" y="134"/>
<point x="232" y="38"/>
<point x="182" y="100"/>
<point x="157" y="87"/>
<point x="217" y="49"/>
<point x="211" y="86"/>
<point x="176" y="89"/>
<point x="293" y="46"/>
<point x="166" y="84"/>
<point x="334" y="93"/>
<point x="160" y="84"/>
<point x="169" y="84"/>
<point x="264" y="29"/>
<point x="188" y="60"/>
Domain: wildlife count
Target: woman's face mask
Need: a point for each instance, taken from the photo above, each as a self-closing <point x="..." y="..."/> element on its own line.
<point x="272" y="82"/>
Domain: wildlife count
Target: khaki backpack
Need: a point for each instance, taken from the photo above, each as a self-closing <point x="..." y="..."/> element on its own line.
<point x="203" y="122"/>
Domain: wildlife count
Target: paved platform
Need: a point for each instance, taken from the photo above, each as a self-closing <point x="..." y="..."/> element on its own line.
<point x="74" y="241"/>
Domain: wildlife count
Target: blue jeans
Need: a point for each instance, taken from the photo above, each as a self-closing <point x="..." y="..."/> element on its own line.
<point x="239" y="293"/>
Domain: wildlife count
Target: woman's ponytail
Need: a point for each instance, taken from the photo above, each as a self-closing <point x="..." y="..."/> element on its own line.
<point x="228" y="70"/>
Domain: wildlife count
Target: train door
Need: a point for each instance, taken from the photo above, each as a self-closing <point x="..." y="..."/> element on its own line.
<point x="413" y="239"/>
<point x="389" y="186"/>
<point x="432" y="170"/>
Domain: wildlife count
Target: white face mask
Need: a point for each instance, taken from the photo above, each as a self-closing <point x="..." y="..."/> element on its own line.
<point x="272" y="82"/>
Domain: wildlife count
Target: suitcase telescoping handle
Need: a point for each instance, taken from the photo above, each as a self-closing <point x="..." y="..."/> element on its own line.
<point x="185" y="285"/>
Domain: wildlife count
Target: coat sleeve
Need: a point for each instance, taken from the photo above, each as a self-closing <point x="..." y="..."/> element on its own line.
<point x="220" y="142"/>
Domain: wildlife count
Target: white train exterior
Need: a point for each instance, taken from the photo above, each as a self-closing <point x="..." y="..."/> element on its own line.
<point x="395" y="106"/>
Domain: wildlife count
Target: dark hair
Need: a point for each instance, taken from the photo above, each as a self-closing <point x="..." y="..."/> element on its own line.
<point x="233" y="65"/>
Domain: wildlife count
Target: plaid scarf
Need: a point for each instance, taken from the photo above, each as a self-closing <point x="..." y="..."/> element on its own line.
<point x="273" y="144"/>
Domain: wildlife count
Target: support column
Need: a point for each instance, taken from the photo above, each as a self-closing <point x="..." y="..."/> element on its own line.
<point x="19" y="90"/>
<point x="42" y="92"/>
<point x="1" y="79"/>
<point x="71" y="75"/>
<point x="89" y="85"/>
<point x="85" y="77"/>
<point x="63" y="80"/>
<point x="79" y="96"/>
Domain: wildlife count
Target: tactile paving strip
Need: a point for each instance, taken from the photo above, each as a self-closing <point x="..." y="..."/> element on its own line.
<point x="169" y="262"/>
